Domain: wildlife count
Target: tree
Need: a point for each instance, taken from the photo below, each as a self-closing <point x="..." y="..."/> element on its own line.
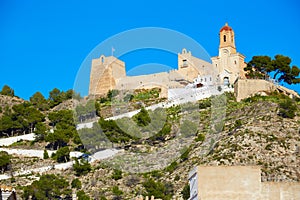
<point x="49" y="186"/>
<point x="64" y="129"/>
<point x="21" y="119"/>
<point x="142" y="118"/>
<point x="46" y="155"/>
<point x="4" y="161"/>
<point x="290" y="76"/>
<point x="6" y="124"/>
<point x="259" y="66"/>
<point x="81" y="167"/>
<point x="40" y="131"/>
<point x="8" y="91"/>
<point x="39" y="101"/>
<point x="27" y="116"/>
<point x="262" y="66"/>
<point x="63" y="154"/>
<point x="55" y="97"/>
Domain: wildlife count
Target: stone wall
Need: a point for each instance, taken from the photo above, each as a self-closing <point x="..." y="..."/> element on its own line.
<point x="109" y="73"/>
<point x="224" y="182"/>
<point x="238" y="183"/>
<point x="244" y="88"/>
<point x="280" y="191"/>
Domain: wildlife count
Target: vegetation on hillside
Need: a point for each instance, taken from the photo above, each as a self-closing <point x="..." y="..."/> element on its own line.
<point x="57" y="130"/>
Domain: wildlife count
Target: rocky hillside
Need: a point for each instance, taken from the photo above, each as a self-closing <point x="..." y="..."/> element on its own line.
<point x="254" y="134"/>
<point x="260" y="131"/>
<point x="8" y="102"/>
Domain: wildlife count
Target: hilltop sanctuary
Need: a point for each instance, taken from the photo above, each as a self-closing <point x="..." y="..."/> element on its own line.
<point x="108" y="73"/>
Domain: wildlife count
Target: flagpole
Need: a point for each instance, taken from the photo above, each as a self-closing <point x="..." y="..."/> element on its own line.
<point x="112" y="51"/>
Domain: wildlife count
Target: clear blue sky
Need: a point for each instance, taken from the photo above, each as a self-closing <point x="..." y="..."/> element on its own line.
<point x="43" y="43"/>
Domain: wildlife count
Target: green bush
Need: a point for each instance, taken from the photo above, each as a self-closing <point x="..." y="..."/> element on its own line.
<point x="158" y="189"/>
<point x="172" y="167"/>
<point x="46" y="155"/>
<point x="186" y="192"/>
<point x="287" y="108"/>
<point x="63" y="154"/>
<point x="81" y="167"/>
<point x="116" y="191"/>
<point x="4" y="161"/>
<point x="49" y="186"/>
<point x="76" y="183"/>
<point x="82" y="196"/>
<point x="142" y="118"/>
<point x="200" y="137"/>
<point x="185" y="155"/>
<point x="117" y="174"/>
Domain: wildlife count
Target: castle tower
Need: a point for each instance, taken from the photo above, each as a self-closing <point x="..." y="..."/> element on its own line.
<point x="104" y="75"/>
<point x="229" y="63"/>
<point x="227" y="39"/>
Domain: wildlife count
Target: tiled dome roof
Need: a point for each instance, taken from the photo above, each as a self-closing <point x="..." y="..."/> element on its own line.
<point x="226" y="28"/>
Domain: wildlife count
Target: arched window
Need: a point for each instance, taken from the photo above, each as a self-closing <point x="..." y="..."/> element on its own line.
<point x="224" y="38"/>
<point x="102" y="59"/>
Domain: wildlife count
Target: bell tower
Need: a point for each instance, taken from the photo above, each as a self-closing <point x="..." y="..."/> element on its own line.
<point x="229" y="63"/>
<point x="227" y="39"/>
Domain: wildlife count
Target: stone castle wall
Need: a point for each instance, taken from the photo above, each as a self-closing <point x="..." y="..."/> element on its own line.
<point x="244" y="88"/>
<point x="109" y="73"/>
<point x="239" y="183"/>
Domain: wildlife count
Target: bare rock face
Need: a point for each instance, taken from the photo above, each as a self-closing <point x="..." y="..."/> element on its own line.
<point x="66" y="105"/>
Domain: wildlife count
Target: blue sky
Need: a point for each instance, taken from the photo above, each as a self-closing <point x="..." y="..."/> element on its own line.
<point x="43" y="43"/>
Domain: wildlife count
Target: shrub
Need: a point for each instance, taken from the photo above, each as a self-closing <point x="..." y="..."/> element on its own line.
<point x="46" y="155"/>
<point x="158" y="189"/>
<point x="186" y="192"/>
<point x="171" y="168"/>
<point x="81" y="167"/>
<point x="82" y="196"/>
<point x="142" y="118"/>
<point x="200" y="137"/>
<point x="116" y="191"/>
<point x="49" y="186"/>
<point x="185" y="155"/>
<point x="76" y="183"/>
<point x="117" y="174"/>
<point x="63" y="154"/>
<point x="4" y="161"/>
<point x="287" y="108"/>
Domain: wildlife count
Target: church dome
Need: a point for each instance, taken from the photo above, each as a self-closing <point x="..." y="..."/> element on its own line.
<point x="226" y="28"/>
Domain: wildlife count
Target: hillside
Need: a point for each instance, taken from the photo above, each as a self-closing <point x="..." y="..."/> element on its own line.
<point x="254" y="134"/>
<point x="256" y="131"/>
<point x="8" y="102"/>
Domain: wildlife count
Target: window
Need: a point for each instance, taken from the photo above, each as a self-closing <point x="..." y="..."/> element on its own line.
<point x="235" y="62"/>
<point x="224" y="38"/>
<point x="184" y="64"/>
